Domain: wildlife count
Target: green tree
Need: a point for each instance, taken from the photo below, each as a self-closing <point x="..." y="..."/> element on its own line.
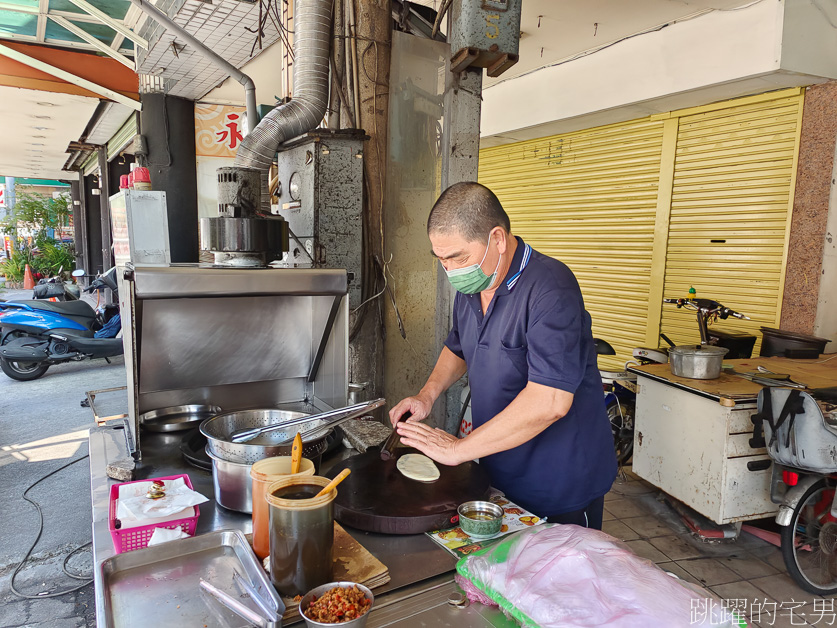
<point x="38" y="213"/>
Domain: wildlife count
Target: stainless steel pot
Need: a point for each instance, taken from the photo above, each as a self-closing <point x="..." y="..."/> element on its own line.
<point x="697" y="361"/>
<point x="219" y="428"/>
<point x="233" y="486"/>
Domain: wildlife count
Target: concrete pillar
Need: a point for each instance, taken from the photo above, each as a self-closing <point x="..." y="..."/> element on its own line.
<point x="10" y="194"/>
<point x="460" y="162"/>
<point x="79" y="224"/>
<point x="374" y="33"/>
<point x="825" y="321"/>
<point x="168" y="124"/>
<point x="92" y="225"/>
<point x="805" y="283"/>
<point x="104" y="209"/>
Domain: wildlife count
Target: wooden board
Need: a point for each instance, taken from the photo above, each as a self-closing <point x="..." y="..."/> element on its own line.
<point x="352" y="563"/>
<point x="820" y="373"/>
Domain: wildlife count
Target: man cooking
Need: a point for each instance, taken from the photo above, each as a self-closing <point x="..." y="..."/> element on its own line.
<point x="521" y="331"/>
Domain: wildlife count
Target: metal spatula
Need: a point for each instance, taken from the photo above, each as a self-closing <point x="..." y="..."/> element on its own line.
<point x="338" y="416"/>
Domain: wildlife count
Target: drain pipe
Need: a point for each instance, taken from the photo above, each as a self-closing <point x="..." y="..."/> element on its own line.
<point x="249" y="87"/>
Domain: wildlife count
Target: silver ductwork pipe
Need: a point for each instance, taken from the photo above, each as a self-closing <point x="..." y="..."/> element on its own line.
<point x="249" y="86"/>
<point x="312" y="38"/>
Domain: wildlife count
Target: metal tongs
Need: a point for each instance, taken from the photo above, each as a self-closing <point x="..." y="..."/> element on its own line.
<point x="342" y="414"/>
<point x="778" y="379"/>
<point x="269" y="617"/>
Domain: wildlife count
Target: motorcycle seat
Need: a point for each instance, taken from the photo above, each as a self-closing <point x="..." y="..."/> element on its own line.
<point x="78" y="311"/>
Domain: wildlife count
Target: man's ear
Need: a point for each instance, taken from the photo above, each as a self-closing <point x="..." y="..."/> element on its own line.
<point x="502" y="239"/>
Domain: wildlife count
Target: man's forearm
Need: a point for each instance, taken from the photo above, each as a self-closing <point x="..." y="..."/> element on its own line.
<point x="449" y="368"/>
<point x="531" y="412"/>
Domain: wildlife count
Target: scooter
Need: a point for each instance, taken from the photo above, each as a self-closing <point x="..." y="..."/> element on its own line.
<point x="37" y="334"/>
<point x="799" y="430"/>
<point x="56" y="289"/>
<point x="620" y="386"/>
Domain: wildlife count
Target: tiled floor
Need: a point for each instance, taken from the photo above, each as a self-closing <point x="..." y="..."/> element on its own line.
<point x="748" y="573"/>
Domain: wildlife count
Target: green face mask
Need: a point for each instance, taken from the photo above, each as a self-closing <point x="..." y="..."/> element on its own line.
<point x="471" y="279"/>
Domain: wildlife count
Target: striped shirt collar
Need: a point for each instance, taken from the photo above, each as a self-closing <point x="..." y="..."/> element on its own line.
<point x="520" y="260"/>
<point x="524" y="260"/>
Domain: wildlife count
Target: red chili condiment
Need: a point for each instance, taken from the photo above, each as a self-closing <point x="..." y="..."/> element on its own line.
<point x="338" y="605"/>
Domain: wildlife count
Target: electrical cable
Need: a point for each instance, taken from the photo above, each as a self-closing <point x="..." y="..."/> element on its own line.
<point x="443" y="8"/>
<point x="87" y="579"/>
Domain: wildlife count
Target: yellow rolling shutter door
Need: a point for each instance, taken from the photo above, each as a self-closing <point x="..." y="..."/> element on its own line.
<point x="717" y="184"/>
<point x="730" y="206"/>
<point x="589" y="199"/>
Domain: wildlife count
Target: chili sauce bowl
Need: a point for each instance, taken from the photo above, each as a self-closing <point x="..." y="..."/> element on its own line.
<point x="318" y="592"/>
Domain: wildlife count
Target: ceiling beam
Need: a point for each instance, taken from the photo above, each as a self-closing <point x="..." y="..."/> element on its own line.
<point x="117" y="41"/>
<point x="97" y="44"/>
<point x="43" y="9"/>
<point x="59" y="43"/>
<point x="116" y="25"/>
<point x="37" y="64"/>
<point x="72" y="15"/>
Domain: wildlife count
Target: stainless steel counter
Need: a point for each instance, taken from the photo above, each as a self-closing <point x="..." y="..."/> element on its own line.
<point x="421" y="571"/>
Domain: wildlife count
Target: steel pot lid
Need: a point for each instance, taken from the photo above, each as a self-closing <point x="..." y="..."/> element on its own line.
<point x="698" y="350"/>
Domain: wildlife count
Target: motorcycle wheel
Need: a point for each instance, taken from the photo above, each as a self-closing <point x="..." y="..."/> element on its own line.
<point x="21" y="371"/>
<point x="809" y="543"/>
<point x="620" y="413"/>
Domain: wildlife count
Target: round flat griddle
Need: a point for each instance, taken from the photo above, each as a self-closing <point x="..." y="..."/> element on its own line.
<point x="376" y="497"/>
<point x="193" y="448"/>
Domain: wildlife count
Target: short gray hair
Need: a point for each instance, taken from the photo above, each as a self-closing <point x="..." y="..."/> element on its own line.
<point x="468" y="209"/>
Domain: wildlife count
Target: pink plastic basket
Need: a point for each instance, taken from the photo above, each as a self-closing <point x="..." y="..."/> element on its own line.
<point x="128" y="539"/>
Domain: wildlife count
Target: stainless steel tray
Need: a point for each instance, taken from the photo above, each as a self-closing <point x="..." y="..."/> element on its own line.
<point x="160" y="586"/>
<point x="177" y="418"/>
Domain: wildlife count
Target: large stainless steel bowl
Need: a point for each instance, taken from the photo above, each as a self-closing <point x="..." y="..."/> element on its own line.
<point x="219" y="429"/>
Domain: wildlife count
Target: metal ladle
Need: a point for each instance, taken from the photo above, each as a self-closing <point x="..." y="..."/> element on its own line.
<point x="351" y="412"/>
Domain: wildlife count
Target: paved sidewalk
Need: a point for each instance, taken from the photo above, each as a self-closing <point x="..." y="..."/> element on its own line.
<point x="747" y="575"/>
<point x="42" y="427"/>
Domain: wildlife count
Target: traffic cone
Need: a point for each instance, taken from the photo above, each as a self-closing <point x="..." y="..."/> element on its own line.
<point x="28" y="281"/>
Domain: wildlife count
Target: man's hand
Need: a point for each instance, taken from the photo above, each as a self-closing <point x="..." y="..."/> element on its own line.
<point x="420" y="406"/>
<point x="432" y="442"/>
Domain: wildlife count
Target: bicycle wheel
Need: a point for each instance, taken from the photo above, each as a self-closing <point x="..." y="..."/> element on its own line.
<point x="621" y="417"/>
<point x="809" y="543"/>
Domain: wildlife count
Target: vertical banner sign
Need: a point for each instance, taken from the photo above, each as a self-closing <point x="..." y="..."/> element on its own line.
<point x="2" y="195"/>
<point x="7" y="245"/>
<point x="219" y="129"/>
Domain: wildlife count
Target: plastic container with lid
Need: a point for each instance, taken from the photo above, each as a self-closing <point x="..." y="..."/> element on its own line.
<point x="263" y="473"/>
<point x="301" y="534"/>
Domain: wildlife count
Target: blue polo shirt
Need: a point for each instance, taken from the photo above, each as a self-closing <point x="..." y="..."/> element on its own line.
<point x="537" y="330"/>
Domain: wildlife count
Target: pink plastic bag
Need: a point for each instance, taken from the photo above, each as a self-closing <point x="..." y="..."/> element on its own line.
<point x="567" y="576"/>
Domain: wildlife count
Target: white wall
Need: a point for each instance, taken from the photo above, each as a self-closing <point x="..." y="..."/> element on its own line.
<point x="266" y="72"/>
<point x="724" y="54"/>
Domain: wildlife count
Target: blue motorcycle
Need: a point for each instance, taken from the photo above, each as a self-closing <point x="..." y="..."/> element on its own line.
<point x="36" y="334"/>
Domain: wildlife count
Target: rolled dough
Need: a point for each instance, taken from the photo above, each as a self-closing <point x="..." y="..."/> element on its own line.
<point x="418" y="467"/>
